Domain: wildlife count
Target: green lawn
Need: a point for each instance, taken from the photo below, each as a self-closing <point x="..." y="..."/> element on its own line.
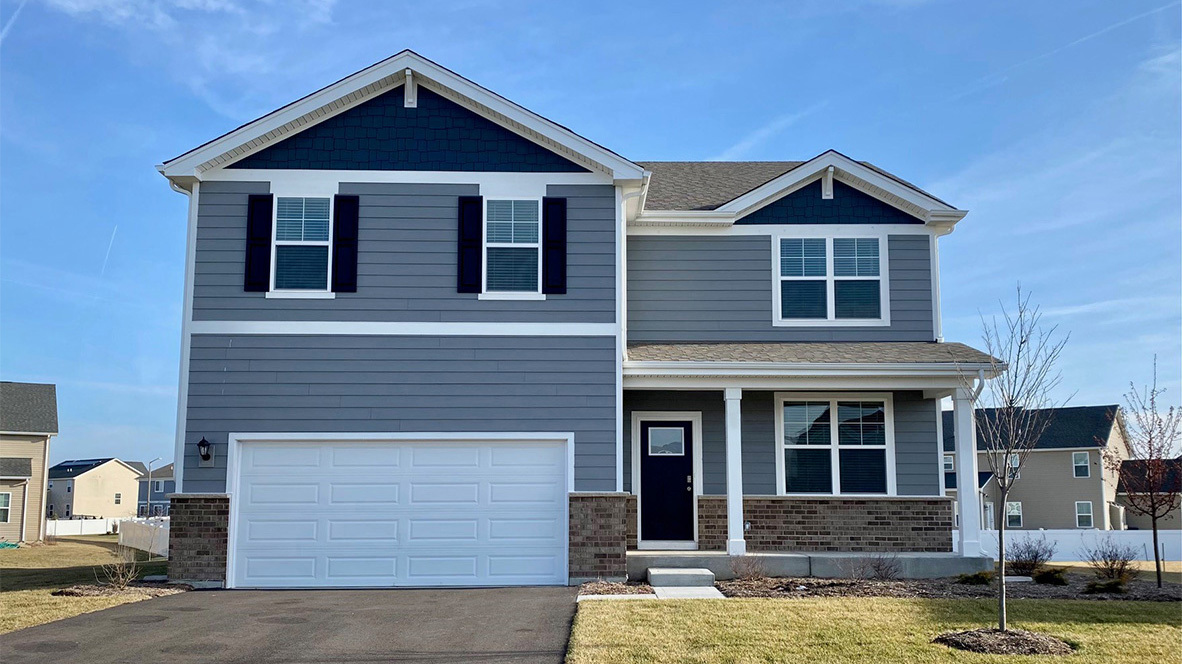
<point x="29" y="575"/>
<point x="836" y="630"/>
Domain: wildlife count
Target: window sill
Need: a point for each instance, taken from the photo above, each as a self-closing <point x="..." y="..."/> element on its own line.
<point x="301" y="295"/>
<point x="837" y="322"/>
<point x="505" y="295"/>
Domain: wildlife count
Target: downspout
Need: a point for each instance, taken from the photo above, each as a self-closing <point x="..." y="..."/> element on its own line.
<point x="44" y="488"/>
<point x="24" y="510"/>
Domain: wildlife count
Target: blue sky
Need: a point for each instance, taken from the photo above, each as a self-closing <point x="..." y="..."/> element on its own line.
<point x="1057" y="124"/>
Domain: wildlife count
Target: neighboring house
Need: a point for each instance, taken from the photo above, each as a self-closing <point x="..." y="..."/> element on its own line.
<point x="154" y="491"/>
<point x="93" y="488"/>
<point x="1064" y="482"/>
<point x="28" y="420"/>
<point x="1172" y="480"/>
<point x="432" y="338"/>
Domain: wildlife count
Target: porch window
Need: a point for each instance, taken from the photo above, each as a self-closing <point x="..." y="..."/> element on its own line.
<point x="835" y="445"/>
<point x="827" y="280"/>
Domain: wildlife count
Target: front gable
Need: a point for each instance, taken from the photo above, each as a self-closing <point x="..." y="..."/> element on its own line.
<point x="382" y="134"/>
<point x="847" y="206"/>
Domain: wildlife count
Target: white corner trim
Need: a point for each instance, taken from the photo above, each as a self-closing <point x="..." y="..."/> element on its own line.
<point x="186" y="337"/>
<point x="373" y="328"/>
<point x="300" y="295"/>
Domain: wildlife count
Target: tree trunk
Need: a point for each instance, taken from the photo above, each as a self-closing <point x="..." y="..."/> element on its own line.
<point x="1001" y="567"/>
<point x="1156" y="550"/>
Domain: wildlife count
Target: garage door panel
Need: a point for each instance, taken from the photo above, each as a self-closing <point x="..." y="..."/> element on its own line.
<point x="431" y="513"/>
<point x="283" y="456"/>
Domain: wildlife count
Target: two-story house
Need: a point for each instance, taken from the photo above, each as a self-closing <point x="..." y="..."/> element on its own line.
<point x="433" y="338"/>
<point x="1064" y="482"/>
<point x="92" y="488"/>
<point x="28" y="421"/>
<point x="155" y="488"/>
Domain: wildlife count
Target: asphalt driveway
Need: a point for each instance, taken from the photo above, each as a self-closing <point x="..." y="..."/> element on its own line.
<point x="478" y="625"/>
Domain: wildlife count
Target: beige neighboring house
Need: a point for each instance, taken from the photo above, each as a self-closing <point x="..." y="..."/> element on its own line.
<point x="94" y="488"/>
<point x="1065" y="483"/>
<point x="28" y="420"/>
<point x="1172" y="481"/>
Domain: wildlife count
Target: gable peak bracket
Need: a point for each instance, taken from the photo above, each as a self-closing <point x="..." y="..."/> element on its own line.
<point x="410" y="98"/>
<point x="827" y="184"/>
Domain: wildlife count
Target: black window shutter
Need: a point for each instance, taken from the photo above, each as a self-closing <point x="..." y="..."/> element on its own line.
<point x="344" y="243"/>
<point x="469" y="244"/>
<point x="258" y="243"/>
<point x="554" y="246"/>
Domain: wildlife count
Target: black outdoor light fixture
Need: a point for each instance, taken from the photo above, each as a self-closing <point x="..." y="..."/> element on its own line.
<point x="203" y="449"/>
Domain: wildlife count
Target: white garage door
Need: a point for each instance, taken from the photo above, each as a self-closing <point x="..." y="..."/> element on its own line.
<point x="397" y="513"/>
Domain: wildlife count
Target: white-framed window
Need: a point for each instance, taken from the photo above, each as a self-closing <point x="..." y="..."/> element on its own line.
<point x="512" y="248"/>
<point x="5" y="506"/>
<point x="1083" y="514"/>
<point x="830" y="281"/>
<point x="118" y="498"/>
<point x="1014" y="515"/>
<point x="666" y="441"/>
<point x="69" y="487"/>
<point x="67" y="511"/>
<point x="301" y="258"/>
<point x="841" y="444"/>
<point x="1081" y="465"/>
<point x="1015" y="466"/>
<point x="157" y="486"/>
<point x="949" y="463"/>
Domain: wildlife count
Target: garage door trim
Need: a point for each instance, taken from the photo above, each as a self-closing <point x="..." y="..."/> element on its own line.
<point x="236" y="441"/>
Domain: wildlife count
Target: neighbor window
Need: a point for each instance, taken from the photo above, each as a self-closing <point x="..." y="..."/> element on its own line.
<point x="1083" y="514"/>
<point x="5" y="506"/>
<point x="512" y="247"/>
<point x="1013" y="515"/>
<point x="118" y="498"/>
<point x="69" y="488"/>
<point x="67" y="511"/>
<point x="830" y="279"/>
<point x="157" y="486"/>
<point x="1015" y="467"/>
<point x="1080" y="464"/>
<point x="949" y="463"/>
<point x="834" y="445"/>
<point x="302" y="232"/>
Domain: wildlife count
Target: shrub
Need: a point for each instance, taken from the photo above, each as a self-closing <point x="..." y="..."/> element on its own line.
<point x="976" y="578"/>
<point x="1111" y="560"/>
<point x="1104" y="586"/>
<point x="748" y="568"/>
<point x="1027" y="555"/>
<point x="878" y="566"/>
<point x="1055" y="576"/>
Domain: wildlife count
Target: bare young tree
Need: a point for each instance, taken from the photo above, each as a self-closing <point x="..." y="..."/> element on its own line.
<point x="1017" y="403"/>
<point x="1152" y="478"/>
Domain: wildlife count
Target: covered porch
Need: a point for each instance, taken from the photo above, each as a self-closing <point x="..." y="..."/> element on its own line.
<point x="802" y="455"/>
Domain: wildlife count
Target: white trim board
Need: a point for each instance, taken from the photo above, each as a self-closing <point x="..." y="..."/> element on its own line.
<point x="372" y="328"/>
<point x="695" y="418"/>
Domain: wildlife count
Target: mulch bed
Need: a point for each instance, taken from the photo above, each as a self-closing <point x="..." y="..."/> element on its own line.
<point x="992" y="641"/>
<point x="1141" y="590"/>
<point x="615" y="588"/>
<point x="141" y="588"/>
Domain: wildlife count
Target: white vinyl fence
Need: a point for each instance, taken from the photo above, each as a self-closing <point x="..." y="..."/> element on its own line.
<point x="1071" y="545"/>
<point x="145" y="535"/>
<point x="68" y="527"/>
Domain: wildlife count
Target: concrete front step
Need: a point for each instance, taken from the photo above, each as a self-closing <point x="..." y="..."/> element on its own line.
<point x="667" y="577"/>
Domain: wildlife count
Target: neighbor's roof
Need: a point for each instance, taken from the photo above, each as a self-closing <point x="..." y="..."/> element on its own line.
<point x="138" y="465"/>
<point x="28" y="407"/>
<point x="890" y="352"/>
<point x="983" y="477"/>
<point x="1076" y="426"/>
<point x="1135" y="470"/>
<point x="161" y="473"/>
<point x="16" y="467"/>
<point x="708" y="185"/>
<point x="76" y="467"/>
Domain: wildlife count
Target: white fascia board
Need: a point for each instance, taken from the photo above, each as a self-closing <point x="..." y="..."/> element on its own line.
<point x="187" y="165"/>
<point x="788" y="382"/>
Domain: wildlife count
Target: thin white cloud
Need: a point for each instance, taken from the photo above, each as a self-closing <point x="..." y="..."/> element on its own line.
<point x="12" y="20"/>
<point x="767" y="131"/>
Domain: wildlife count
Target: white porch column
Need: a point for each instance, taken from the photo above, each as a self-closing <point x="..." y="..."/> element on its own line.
<point x="965" y="435"/>
<point x="735" y="544"/>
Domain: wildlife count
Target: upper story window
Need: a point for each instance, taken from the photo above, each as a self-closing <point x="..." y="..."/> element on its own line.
<point x="118" y="498"/>
<point x="303" y="228"/>
<point x="512" y="246"/>
<point x="157" y="486"/>
<point x="1080" y="465"/>
<point x="830" y="281"/>
<point x="949" y="463"/>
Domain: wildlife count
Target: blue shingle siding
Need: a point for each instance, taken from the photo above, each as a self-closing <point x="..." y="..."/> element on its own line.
<point x="848" y="206"/>
<point x="382" y="135"/>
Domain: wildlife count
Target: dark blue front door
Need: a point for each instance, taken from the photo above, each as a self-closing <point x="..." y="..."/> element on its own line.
<point x="666" y="481"/>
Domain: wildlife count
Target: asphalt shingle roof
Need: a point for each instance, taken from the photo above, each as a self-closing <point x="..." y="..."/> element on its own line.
<point x="1134" y="471"/>
<point x="16" y="467"/>
<point x="163" y="472"/>
<point x="1075" y="426"/>
<point x="74" y="467"/>
<point x="28" y="407"/>
<point x="891" y="352"/>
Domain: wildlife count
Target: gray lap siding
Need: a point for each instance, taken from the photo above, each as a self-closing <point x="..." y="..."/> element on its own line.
<point x="720" y="288"/>
<point x="329" y="384"/>
<point x="917" y="450"/>
<point x="406" y="260"/>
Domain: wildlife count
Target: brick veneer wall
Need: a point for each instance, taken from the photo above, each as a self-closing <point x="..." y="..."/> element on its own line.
<point x="198" y="529"/>
<point x="633" y="523"/>
<point x="598" y="536"/>
<point x="831" y="524"/>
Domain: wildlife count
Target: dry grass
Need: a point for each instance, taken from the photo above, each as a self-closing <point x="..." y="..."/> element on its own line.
<point x="839" y="630"/>
<point x="1171" y="569"/>
<point x="29" y="575"/>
